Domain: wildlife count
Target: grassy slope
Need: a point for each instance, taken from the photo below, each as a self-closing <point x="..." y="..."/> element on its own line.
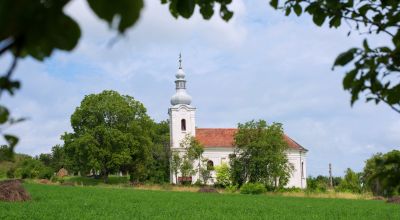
<point x="64" y="202"/>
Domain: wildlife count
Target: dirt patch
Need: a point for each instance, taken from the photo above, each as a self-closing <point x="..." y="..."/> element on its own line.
<point x="12" y="191"/>
<point x="394" y="199"/>
<point x="44" y="181"/>
<point x="208" y="190"/>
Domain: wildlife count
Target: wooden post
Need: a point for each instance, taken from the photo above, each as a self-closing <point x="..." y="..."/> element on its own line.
<point x="330" y="175"/>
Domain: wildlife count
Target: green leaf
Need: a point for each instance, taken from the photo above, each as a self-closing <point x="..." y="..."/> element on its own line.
<point x="207" y="11"/>
<point x="122" y="13"/>
<point x="335" y="22"/>
<point x="287" y="11"/>
<point x="274" y="3"/>
<point x="185" y="7"/>
<point x="319" y="18"/>
<point x="4" y="114"/>
<point x="349" y="79"/>
<point x="11" y="139"/>
<point x="297" y="9"/>
<point x="393" y="96"/>
<point x="345" y="58"/>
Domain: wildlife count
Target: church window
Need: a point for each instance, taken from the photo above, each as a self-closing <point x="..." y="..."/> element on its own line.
<point x="210" y="165"/>
<point x="183" y="125"/>
<point x="302" y="169"/>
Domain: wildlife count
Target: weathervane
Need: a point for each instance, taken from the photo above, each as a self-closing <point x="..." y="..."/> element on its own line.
<point x="180" y="61"/>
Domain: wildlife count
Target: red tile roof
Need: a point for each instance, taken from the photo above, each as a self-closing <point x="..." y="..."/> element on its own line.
<point x="223" y="137"/>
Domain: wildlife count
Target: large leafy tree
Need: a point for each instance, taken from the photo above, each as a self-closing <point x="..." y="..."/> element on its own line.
<point x="260" y="155"/>
<point x="110" y="131"/>
<point x="382" y="173"/>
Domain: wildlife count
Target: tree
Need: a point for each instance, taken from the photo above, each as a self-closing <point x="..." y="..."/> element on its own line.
<point x="260" y="155"/>
<point x="375" y="71"/>
<point x="382" y="173"/>
<point x="176" y="162"/>
<point x="59" y="159"/>
<point x="110" y="131"/>
<point x="36" y="28"/>
<point x="205" y="171"/>
<point x="160" y="151"/>
<point x="351" y="182"/>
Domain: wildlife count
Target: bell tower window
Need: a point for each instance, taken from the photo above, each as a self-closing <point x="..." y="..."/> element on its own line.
<point x="183" y="125"/>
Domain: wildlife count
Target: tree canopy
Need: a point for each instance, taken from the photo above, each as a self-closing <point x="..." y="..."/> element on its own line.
<point x="110" y="131"/>
<point x="260" y="155"/>
<point x="382" y="173"/>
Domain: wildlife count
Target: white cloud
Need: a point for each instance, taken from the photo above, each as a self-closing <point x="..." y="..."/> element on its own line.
<point x="259" y="65"/>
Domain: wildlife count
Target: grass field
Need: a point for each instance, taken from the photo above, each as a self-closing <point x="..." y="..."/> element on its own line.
<point x="68" y="202"/>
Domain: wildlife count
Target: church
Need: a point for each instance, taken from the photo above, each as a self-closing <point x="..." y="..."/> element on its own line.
<point x="218" y="142"/>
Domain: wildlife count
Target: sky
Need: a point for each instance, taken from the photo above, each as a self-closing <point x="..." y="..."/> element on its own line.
<point x="259" y="65"/>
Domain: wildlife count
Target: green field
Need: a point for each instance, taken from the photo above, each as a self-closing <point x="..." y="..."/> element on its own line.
<point x="68" y="202"/>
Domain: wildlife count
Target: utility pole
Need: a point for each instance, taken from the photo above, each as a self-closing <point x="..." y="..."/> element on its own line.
<point x="330" y="175"/>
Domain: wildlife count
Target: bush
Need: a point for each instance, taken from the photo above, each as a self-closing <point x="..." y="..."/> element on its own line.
<point x="11" y="173"/>
<point x="252" y="188"/>
<point x="45" y="173"/>
<point x="223" y="175"/>
<point x="231" y="188"/>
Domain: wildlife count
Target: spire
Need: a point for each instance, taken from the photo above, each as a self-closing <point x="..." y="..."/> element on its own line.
<point x="180" y="97"/>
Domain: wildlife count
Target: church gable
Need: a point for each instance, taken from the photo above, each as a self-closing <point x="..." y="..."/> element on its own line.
<point x="224" y="137"/>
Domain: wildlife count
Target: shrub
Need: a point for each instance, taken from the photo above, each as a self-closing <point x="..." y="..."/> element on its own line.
<point x="45" y="173"/>
<point x="252" y="188"/>
<point x="11" y="173"/>
<point x="231" y="188"/>
<point x="223" y="175"/>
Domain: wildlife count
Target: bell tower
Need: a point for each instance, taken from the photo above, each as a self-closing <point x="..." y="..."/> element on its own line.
<point x="181" y="113"/>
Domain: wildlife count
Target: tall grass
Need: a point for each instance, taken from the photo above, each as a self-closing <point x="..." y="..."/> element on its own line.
<point x="67" y="202"/>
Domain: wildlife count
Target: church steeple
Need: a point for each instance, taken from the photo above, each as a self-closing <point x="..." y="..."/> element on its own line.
<point x="181" y="96"/>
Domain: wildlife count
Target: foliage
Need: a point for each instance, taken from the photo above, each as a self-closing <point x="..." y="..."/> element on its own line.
<point x="321" y="183"/>
<point x="317" y="184"/>
<point x="110" y="131"/>
<point x="252" y="188"/>
<point x="160" y="150"/>
<point x="101" y="203"/>
<point x="375" y="70"/>
<point x="231" y="188"/>
<point x="260" y="156"/>
<point x="223" y="175"/>
<point x="382" y="173"/>
<point x="205" y="172"/>
<point x="192" y="151"/>
<point x="176" y="162"/>
<point x="6" y="154"/>
<point x="351" y="182"/>
<point x="30" y="168"/>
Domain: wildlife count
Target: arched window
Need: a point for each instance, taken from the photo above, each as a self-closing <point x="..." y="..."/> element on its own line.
<point x="210" y="165"/>
<point x="302" y="169"/>
<point x="183" y="125"/>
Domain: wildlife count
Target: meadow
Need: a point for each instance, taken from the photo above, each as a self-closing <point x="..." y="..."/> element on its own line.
<point x="95" y="202"/>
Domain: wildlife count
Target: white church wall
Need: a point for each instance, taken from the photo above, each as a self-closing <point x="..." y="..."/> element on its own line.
<point x="177" y="113"/>
<point x="299" y="174"/>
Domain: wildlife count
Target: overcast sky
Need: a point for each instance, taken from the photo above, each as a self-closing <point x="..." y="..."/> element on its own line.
<point x="260" y="65"/>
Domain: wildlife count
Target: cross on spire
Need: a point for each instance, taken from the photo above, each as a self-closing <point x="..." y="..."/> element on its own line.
<point x="180" y="61"/>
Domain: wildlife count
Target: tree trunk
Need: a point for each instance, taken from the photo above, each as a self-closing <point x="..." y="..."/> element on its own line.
<point x="105" y="176"/>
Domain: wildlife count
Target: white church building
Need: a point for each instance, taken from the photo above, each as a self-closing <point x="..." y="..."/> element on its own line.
<point x="218" y="142"/>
